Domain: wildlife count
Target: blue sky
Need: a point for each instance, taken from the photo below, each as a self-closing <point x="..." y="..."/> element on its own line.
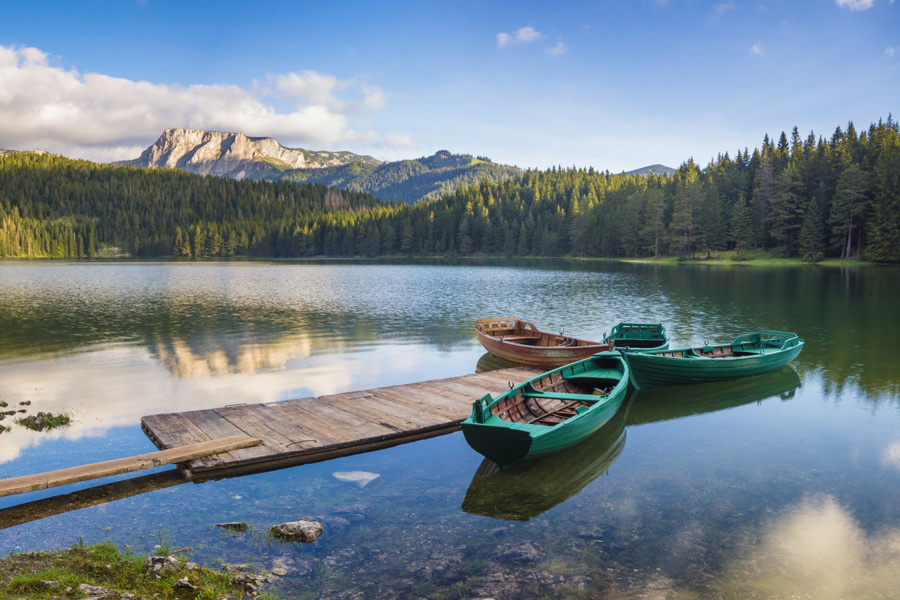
<point x="613" y="85"/>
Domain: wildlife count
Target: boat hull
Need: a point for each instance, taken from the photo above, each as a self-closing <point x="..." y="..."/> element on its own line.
<point x="652" y="369"/>
<point x="505" y="442"/>
<point x="638" y="337"/>
<point x="530" y="347"/>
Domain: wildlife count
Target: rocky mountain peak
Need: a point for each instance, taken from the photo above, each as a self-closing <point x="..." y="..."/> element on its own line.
<point x="231" y="154"/>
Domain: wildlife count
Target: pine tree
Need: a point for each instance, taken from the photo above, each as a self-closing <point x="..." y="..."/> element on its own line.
<point x="849" y="206"/>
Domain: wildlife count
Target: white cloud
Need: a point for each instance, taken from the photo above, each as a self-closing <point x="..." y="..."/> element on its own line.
<point x="757" y="49"/>
<point x="856" y="4"/>
<point x="891" y="50"/>
<point x="557" y="50"/>
<point x="101" y="117"/>
<point x="722" y="8"/>
<point x="525" y="35"/>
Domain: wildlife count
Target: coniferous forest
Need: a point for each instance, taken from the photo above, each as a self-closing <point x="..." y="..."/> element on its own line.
<point x="812" y="197"/>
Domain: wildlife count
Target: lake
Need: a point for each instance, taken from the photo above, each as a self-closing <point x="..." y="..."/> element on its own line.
<point x="784" y="485"/>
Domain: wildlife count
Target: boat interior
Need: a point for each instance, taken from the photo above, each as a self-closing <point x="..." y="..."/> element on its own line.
<point x="557" y="396"/>
<point x="708" y="352"/>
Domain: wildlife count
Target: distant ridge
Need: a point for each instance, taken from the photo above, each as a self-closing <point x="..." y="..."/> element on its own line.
<point x="656" y="169"/>
<point x="237" y="156"/>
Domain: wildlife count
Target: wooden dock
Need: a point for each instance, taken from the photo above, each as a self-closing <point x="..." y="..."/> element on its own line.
<point x="314" y="429"/>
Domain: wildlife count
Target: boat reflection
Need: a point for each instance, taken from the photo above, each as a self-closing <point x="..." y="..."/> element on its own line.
<point x="489" y="362"/>
<point x="531" y="488"/>
<point x="677" y="402"/>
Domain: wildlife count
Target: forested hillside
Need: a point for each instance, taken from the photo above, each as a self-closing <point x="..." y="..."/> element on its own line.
<point x="54" y="206"/>
<point x="409" y="181"/>
<point x="811" y="197"/>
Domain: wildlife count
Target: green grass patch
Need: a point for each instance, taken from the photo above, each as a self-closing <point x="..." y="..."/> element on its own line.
<point x="44" y="421"/>
<point x="58" y="574"/>
<point x="751" y="259"/>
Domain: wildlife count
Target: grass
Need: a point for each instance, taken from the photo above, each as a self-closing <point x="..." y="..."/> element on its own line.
<point x="103" y="565"/>
<point x="759" y="259"/>
<point x="44" y="421"/>
<point x="37" y="423"/>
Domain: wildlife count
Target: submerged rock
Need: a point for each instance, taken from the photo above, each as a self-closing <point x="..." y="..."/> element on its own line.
<point x="297" y="531"/>
<point x="355" y="511"/>
<point x="518" y="552"/>
<point x="335" y="525"/>
<point x="360" y="478"/>
<point x="234" y="526"/>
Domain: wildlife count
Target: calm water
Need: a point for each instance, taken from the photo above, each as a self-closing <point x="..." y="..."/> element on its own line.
<point x="786" y="485"/>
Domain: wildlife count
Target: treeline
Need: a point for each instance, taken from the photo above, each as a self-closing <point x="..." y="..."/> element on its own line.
<point x="811" y="197"/>
<point x="54" y="206"/>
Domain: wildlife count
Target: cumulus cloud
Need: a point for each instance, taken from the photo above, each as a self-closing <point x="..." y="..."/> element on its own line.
<point x="557" y="50"/>
<point x="757" y="49"/>
<point x="105" y="118"/>
<point x="525" y="35"/>
<point x="818" y="550"/>
<point x="857" y="4"/>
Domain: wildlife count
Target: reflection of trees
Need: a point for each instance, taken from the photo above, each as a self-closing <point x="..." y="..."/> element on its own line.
<point x="245" y="317"/>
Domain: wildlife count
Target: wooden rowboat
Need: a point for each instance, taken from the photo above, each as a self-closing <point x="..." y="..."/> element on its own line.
<point x="638" y="337"/>
<point x="550" y="412"/>
<point x="522" y="343"/>
<point x="531" y="487"/>
<point x="750" y="354"/>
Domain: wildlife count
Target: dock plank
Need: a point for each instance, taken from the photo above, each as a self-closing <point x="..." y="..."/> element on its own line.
<point x="42" y="481"/>
<point x="314" y="429"/>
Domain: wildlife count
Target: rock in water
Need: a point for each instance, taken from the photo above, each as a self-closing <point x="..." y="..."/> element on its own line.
<point x="297" y="531"/>
<point x="234" y="526"/>
<point x="360" y="478"/>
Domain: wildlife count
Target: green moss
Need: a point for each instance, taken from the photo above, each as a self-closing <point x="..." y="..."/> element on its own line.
<point x="33" y="574"/>
<point x="44" y="421"/>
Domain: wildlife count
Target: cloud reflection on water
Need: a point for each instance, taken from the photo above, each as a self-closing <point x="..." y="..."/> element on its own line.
<point x="818" y="550"/>
<point x="891" y="456"/>
<point x="116" y="386"/>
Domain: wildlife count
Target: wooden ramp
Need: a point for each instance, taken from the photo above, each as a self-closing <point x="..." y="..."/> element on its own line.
<point x="314" y="429"/>
<point x="42" y="481"/>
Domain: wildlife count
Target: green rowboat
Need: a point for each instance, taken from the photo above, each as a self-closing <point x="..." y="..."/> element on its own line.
<point x="750" y="354"/>
<point x="550" y="412"/>
<point x="637" y="337"/>
<point x="531" y="487"/>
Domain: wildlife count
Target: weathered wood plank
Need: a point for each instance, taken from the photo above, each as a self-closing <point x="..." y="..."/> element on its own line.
<point x="313" y="429"/>
<point x="344" y="416"/>
<point x="216" y="426"/>
<point x="42" y="481"/>
<point x="254" y="421"/>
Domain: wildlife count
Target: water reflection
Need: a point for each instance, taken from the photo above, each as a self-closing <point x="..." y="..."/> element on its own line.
<point x="676" y="402"/>
<point x="92" y="496"/>
<point x="817" y="550"/>
<point x="530" y="488"/>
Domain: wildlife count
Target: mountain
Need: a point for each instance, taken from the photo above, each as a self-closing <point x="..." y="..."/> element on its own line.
<point x="234" y="155"/>
<point x="237" y="156"/>
<point x="424" y="178"/>
<point x="653" y="170"/>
